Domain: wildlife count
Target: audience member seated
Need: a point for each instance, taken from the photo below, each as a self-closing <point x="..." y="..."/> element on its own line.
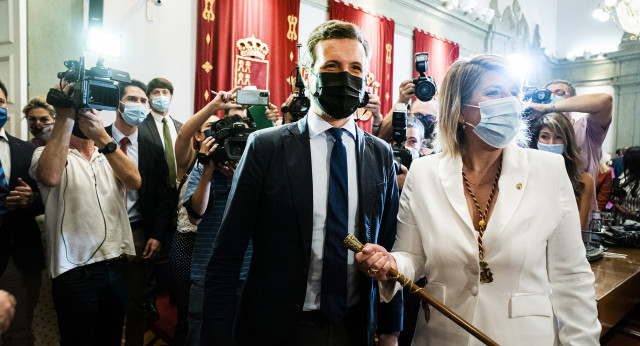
<point x="21" y="253"/>
<point x="628" y="208"/>
<point x="552" y="133"/>
<point x="604" y="182"/>
<point x="40" y="117"/>
<point x="83" y="177"/>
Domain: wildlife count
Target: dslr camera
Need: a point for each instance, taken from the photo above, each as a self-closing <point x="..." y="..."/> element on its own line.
<point x="231" y="136"/>
<point x="299" y="106"/>
<point x="536" y="95"/>
<point x="425" y="85"/>
<point x="94" y="88"/>
<point x="401" y="155"/>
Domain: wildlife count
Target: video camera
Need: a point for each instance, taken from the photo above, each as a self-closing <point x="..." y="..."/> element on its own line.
<point x="299" y="106"/>
<point x="536" y="95"/>
<point x="231" y="135"/>
<point x="401" y="155"/>
<point x="94" y="88"/>
<point x="425" y="85"/>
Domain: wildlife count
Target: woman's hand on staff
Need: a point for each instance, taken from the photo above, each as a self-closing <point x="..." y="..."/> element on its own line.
<point x="375" y="261"/>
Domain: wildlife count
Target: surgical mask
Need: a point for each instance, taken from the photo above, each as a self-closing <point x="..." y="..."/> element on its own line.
<point x="339" y="94"/>
<point x="134" y="113"/>
<point x="415" y="153"/>
<point x="161" y="103"/>
<point x="499" y="121"/>
<point x="40" y="131"/>
<point x="3" y="116"/>
<point x="552" y="148"/>
<point x="556" y="98"/>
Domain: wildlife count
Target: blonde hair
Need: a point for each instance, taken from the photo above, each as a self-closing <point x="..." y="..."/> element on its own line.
<point x="38" y="102"/>
<point x="456" y="89"/>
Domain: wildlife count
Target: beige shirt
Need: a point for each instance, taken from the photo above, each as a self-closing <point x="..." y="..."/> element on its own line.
<point x="85" y="216"/>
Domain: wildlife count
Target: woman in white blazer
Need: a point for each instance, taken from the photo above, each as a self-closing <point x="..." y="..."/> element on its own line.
<point x="493" y="227"/>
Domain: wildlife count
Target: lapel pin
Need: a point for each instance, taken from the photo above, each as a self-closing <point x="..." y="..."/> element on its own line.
<point x="519" y="186"/>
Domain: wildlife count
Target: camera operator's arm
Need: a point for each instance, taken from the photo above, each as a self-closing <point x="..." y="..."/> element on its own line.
<point x="54" y="156"/>
<point x="598" y="106"/>
<point x="407" y="91"/>
<point x="286" y="116"/>
<point x="200" y="197"/>
<point x="184" y="152"/>
<point x="376" y="118"/>
<point x="124" y="169"/>
<point x="272" y="113"/>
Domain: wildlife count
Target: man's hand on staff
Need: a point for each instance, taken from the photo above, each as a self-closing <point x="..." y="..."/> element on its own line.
<point x="375" y="261"/>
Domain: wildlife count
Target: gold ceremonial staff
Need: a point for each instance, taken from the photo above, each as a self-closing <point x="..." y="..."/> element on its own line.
<point x="353" y="244"/>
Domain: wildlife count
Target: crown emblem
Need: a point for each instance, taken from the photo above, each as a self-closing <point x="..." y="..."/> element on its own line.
<point x="252" y="47"/>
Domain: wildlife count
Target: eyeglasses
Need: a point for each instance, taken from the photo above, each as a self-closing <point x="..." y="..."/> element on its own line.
<point x="560" y="92"/>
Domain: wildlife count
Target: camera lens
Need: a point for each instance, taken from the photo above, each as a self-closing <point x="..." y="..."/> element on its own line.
<point x="425" y="91"/>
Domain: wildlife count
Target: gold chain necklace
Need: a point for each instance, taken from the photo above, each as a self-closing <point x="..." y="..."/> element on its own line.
<point x="486" y="276"/>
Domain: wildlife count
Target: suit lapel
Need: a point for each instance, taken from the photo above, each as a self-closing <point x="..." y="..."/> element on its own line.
<point x="149" y="125"/>
<point x="512" y="184"/>
<point x="364" y="150"/>
<point x="297" y="150"/>
<point x="450" y="171"/>
<point x="15" y="158"/>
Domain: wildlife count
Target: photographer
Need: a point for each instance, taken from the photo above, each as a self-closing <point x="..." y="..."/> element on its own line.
<point x="206" y="197"/>
<point x="83" y="177"/>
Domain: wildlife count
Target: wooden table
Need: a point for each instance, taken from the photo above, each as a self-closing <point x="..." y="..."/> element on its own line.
<point x="617" y="286"/>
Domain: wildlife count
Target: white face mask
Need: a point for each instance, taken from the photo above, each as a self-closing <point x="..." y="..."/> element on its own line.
<point x="552" y="148"/>
<point x="499" y="121"/>
<point x="161" y="103"/>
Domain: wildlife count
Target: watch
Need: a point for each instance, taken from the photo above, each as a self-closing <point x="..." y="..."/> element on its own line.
<point x="108" y="149"/>
<point x="203" y="158"/>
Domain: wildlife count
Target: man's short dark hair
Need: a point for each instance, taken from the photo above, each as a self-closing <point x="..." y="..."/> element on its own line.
<point x="159" y="83"/>
<point x="4" y="89"/>
<point x="333" y="29"/>
<point x="572" y="89"/>
<point x="134" y="83"/>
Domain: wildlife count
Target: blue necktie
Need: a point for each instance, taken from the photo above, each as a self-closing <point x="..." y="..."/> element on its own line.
<point x="333" y="296"/>
<point x="4" y="192"/>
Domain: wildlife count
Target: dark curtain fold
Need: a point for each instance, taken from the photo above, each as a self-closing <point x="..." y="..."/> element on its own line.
<point x="378" y="31"/>
<point x="221" y="24"/>
<point x="442" y="53"/>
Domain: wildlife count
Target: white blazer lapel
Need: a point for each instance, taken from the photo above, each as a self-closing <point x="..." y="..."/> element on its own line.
<point x="450" y="171"/>
<point x="512" y="184"/>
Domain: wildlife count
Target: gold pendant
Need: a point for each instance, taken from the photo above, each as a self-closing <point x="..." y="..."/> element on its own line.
<point x="486" y="276"/>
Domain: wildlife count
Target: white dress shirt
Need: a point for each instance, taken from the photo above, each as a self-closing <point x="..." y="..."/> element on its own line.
<point x="5" y="154"/>
<point x="321" y="143"/>
<point x="133" y="207"/>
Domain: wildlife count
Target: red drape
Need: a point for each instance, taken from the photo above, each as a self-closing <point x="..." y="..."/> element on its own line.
<point x="219" y="63"/>
<point x="378" y="30"/>
<point x="442" y="53"/>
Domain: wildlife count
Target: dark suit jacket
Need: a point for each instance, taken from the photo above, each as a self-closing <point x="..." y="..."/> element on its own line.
<point x="149" y="129"/>
<point x="19" y="233"/>
<point x="271" y="201"/>
<point x="155" y="195"/>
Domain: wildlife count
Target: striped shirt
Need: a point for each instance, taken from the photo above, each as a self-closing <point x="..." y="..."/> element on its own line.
<point x="210" y="223"/>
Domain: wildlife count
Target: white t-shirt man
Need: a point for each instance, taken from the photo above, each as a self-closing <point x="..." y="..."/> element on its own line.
<point x="85" y="217"/>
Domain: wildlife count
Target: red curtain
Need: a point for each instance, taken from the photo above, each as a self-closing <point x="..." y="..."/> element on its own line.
<point x="220" y="63"/>
<point x="378" y="30"/>
<point x="442" y="53"/>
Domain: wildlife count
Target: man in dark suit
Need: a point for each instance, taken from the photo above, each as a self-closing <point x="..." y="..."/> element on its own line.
<point x="163" y="129"/>
<point x="297" y="192"/>
<point x="21" y="253"/>
<point x="149" y="208"/>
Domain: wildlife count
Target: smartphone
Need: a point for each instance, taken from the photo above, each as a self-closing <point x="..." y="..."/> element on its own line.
<point x="259" y="117"/>
<point x="252" y="97"/>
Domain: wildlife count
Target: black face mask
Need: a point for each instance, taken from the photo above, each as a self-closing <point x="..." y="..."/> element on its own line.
<point x="339" y="94"/>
